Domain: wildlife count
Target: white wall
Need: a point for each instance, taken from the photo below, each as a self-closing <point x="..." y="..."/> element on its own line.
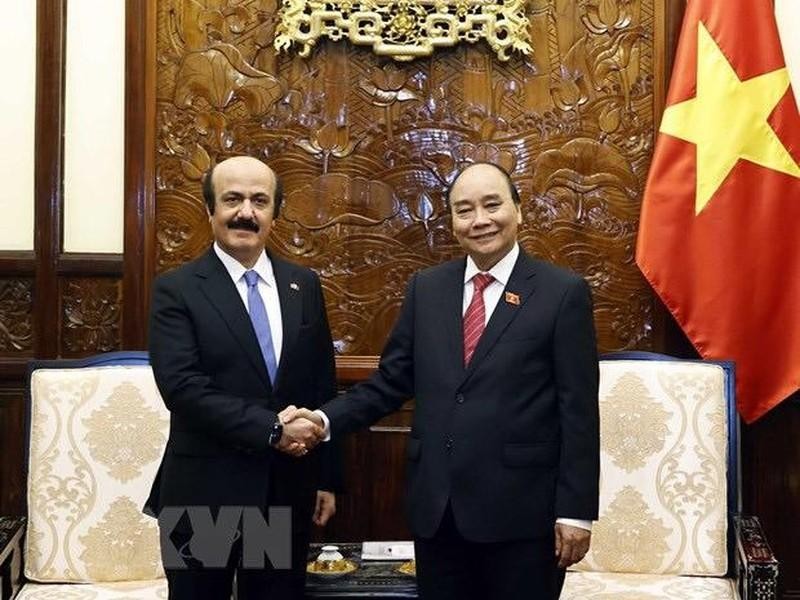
<point x="17" y="122"/>
<point x="94" y="127"/>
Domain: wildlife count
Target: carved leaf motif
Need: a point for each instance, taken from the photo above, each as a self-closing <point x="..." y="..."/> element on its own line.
<point x="208" y="75"/>
<point x="220" y="75"/>
<point x="610" y="118"/>
<point x="608" y="11"/>
<point x="607" y="16"/>
<point x="16" y="315"/>
<point x="387" y="86"/>
<point x="334" y="139"/>
<point x="613" y="55"/>
<point x="197" y="165"/>
<point x="91" y="316"/>
<point x="337" y="198"/>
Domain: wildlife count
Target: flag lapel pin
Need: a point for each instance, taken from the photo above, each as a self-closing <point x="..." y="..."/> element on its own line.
<point x="512" y="298"/>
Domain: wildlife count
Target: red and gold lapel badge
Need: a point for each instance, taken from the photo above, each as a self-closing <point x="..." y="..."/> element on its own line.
<point x="512" y="298"/>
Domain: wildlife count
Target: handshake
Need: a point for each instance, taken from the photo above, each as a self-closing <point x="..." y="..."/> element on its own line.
<point x="302" y="430"/>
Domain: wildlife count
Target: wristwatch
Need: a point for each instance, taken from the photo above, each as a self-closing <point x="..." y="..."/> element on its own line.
<point x="276" y="433"/>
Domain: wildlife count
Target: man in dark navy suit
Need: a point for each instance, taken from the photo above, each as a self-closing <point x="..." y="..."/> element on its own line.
<point x="234" y="335"/>
<point x="498" y="351"/>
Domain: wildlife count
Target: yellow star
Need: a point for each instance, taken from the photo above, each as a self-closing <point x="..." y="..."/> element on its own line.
<point x="727" y="119"/>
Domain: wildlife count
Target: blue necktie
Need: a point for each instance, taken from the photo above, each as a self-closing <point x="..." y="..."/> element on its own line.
<point x="258" y="316"/>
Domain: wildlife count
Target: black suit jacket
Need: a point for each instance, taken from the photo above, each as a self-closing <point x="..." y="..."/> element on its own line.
<point x="511" y="441"/>
<point x="209" y="369"/>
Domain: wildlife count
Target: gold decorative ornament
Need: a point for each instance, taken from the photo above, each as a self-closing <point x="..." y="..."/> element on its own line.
<point x="404" y="29"/>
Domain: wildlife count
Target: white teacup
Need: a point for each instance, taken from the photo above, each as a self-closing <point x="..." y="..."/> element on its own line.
<point x="330" y="553"/>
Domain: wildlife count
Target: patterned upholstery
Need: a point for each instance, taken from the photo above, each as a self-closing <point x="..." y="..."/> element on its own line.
<point x="135" y="590"/>
<point x="97" y="435"/>
<point x="621" y="586"/>
<point x="662" y="532"/>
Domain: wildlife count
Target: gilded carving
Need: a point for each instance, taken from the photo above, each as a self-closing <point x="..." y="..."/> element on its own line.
<point x="91" y="315"/>
<point x="633" y="423"/>
<point x="631" y="537"/>
<point x="404" y="29"/>
<point x="124" y="434"/>
<point x="123" y="545"/>
<point x="16" y="315"/>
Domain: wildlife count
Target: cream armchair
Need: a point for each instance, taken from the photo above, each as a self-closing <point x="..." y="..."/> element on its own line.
<point x="669" y="526"/>
<point x="97" y="430"/>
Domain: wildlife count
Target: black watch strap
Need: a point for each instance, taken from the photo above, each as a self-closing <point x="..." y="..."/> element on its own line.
<point x="276" y="433"/>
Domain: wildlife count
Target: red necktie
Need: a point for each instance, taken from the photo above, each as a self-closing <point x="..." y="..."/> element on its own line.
<point x="475" y="317"/>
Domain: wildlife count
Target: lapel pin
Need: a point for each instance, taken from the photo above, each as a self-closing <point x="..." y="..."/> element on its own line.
<point x="294" y="286"/>
<point x="512" y="298"/>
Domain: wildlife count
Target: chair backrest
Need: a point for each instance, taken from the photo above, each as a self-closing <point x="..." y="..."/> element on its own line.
<point x="97" y="431"/>
<point x="669" y="466"/>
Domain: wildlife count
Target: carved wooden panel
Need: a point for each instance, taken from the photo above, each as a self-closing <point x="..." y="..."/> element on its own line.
<point x="90" y="315"/>
<point x="366" y="148"/>
<point x="16" y="316"/>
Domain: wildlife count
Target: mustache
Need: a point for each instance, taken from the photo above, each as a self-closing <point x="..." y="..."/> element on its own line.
<point x="245" y="224"/>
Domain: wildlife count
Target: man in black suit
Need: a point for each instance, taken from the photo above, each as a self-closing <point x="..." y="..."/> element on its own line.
<point x="234" y="335"/>
<point x="499" y="352"/>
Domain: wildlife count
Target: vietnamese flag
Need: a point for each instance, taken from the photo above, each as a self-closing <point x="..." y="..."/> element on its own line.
<point x="719" y="236"/>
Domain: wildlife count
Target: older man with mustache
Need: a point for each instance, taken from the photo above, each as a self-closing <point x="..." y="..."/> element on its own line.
<point x="234" y="334"/>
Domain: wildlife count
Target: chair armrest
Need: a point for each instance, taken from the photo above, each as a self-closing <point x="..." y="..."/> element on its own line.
<point x="11" y="534"/>
<point x="757" y="567"/>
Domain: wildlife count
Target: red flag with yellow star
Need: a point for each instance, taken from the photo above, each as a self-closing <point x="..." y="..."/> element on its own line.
<point x="719" y="236"/>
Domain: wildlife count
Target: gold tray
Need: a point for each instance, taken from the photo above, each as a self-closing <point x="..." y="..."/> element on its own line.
<point x="408" y="568"/>
<point x="331" y="569"/>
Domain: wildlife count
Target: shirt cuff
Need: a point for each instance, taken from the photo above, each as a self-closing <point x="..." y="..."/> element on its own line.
<point x="326" y="425"/>
<point x="576" y="523"/>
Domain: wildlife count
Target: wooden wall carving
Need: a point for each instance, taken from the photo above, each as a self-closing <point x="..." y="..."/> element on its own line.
<point x="90" y="316"/>
<point x="367" y="147"/>
<point x="16" y="316"/>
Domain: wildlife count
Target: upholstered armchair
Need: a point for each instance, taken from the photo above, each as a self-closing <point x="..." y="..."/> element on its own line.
<point x="97" y="430"/>
<point x="669" y="524"/>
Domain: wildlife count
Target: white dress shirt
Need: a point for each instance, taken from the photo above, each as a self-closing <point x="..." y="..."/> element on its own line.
<point x="267" y="289"/>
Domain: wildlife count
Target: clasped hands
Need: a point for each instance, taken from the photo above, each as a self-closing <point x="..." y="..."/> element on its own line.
<point x="302" y="430"/>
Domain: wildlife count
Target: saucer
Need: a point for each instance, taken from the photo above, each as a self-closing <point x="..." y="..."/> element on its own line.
<point x="331" y="569"/>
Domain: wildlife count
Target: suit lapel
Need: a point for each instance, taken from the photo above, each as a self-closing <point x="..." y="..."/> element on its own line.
<point x="452" y="302"/>
<point x="521" y="283"/>
<point x="216" y="284"/>
<point x="291" y="300"/>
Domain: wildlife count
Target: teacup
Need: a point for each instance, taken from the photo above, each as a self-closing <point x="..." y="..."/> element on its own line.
<point x="330" y="554"/>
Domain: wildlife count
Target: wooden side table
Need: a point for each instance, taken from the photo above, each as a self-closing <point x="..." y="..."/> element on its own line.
<point x="373" y="579"/>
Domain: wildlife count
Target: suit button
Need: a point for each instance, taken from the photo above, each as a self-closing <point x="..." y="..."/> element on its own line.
<point x="460" y="398"/>
<point x="449" y="444"/>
